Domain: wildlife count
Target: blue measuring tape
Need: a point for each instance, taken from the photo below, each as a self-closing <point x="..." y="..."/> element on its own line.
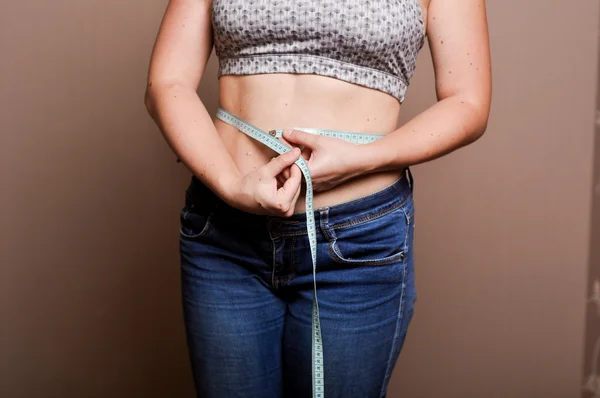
<point x="270" y="139"/>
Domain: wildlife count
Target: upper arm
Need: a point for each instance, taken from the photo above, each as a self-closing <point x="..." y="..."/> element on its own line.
<point x="183" y="44"/>
<point x="458" y="38"/>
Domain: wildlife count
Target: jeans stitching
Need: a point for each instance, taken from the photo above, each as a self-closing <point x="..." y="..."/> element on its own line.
<point x="204" y="230"/>
<point x="273" y="280"/>
<point x="324" y="224"/>
<point x="290" y="233"/>
<point x="273" y="262"/>
<point x="290" y="276"/>
<point x="292" y="262"/>
<point x="338" y="258"/>
<point x="372" y="216"/>
<point x="393" y="349"/>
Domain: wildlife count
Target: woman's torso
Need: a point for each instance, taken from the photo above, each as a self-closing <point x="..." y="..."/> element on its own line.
<point x="281" y="100"/>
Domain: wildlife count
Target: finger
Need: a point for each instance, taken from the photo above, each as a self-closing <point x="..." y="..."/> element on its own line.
<point x="280" y="180"/>
<point x="292" y="145"/>
<point x="284" y="175"/>
<point x="290" y="212"/>
<point x="306" y="153"/>
<point x="295" y="170"/>
<point x="291" y="186"/>
<point x="279" y="163"/>
<point x="301" y="138"/>
<point x="286" y="142"/>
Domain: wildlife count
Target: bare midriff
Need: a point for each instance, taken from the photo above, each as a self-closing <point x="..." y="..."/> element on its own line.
<point x="271" y="101"/>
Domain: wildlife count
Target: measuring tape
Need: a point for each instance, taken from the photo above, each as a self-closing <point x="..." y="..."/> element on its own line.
<point x="270" y="139"/>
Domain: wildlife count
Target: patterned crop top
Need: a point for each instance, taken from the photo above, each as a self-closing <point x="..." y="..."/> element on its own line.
<point x="372" y="43"/>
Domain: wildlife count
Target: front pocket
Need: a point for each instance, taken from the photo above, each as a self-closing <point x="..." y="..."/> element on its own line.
<point x="195" y="218"/>
<point x="193" y="225"/>
<point x="378" y="241"/>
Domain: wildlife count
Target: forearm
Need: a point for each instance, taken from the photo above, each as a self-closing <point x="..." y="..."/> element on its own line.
<point x="190" y="132"/>
<point x="444" y="127"/>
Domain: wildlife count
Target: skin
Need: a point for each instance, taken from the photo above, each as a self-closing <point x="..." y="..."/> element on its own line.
<point x="248" y="175"/>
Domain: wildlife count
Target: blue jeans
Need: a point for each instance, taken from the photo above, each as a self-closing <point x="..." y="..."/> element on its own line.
<point x="247" y="289"/>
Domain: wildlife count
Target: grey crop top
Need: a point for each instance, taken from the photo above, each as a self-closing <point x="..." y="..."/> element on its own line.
<point x="372" y="43"/>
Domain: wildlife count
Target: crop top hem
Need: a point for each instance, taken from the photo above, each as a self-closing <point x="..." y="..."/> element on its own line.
<point x="314" y="64"/>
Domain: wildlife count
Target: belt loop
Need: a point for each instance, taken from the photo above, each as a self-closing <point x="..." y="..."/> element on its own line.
<point x="324" y="223"/>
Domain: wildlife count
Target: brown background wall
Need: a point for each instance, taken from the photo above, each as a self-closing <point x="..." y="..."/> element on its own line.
<point x="591" y="387"/>
<point x="90" y="194"/>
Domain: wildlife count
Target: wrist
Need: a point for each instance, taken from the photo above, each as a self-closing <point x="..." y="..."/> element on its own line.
<point x="226" y="185"/>
<point x="366" y="159"/>
<point x="380" y="156"/>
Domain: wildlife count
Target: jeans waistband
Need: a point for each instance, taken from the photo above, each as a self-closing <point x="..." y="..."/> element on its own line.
<point x="392" y="196"/>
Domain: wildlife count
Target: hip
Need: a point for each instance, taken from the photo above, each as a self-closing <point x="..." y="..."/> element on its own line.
<point x="351" y="230"/>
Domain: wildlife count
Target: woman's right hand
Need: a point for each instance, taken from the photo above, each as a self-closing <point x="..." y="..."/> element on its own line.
<point x="263" y="191"/>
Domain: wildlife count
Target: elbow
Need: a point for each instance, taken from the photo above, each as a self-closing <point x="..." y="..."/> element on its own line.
<point x="478" y="117"/>
<point x="152" y="94"/>
<point x="478" y="129"/>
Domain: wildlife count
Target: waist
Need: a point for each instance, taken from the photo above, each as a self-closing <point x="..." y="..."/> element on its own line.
<point x="249" y="154"/>
<point x="283" y="100"/>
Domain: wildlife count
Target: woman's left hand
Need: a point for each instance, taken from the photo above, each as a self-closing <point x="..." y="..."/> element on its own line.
<point x="331" y="161"/>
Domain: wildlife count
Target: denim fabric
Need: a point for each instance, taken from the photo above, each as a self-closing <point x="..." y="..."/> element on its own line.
<point x="247" y="289"/>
